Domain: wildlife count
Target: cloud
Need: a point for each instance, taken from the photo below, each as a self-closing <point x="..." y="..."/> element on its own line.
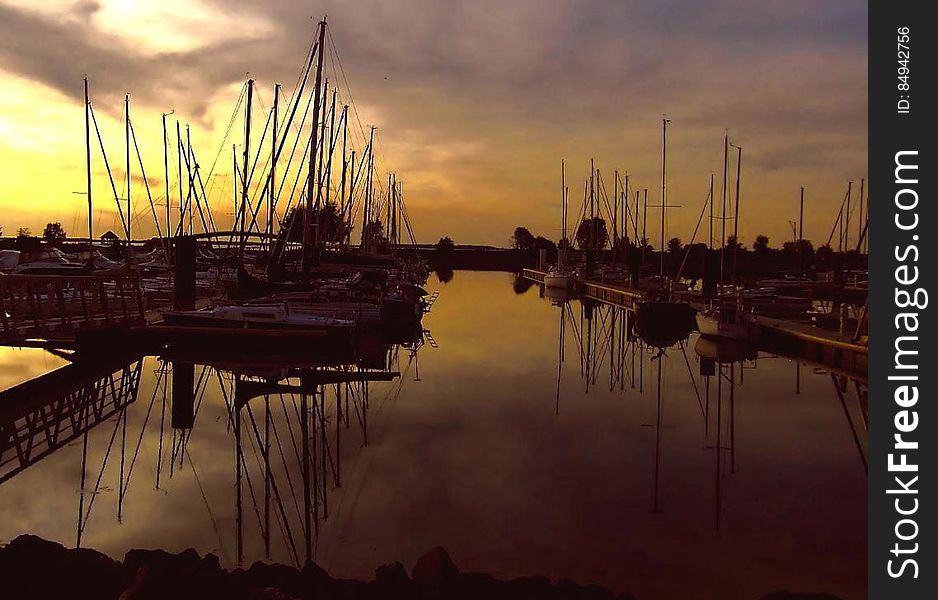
<point x="477" y="102"/>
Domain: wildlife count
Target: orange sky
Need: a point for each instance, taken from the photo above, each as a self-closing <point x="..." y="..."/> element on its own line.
<point x="475" y="102"/>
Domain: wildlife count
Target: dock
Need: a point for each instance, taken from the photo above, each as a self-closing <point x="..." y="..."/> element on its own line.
<point x="782" y="336"/>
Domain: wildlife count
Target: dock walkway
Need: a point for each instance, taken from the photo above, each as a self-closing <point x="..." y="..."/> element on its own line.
<point x="783" y="336"/>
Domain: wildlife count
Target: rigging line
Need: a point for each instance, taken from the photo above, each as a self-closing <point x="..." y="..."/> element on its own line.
<point x="97" y="483"/>
<point x="283" y="458"/>
<point x="200" y="392"/>
<point x="107" y="166"/>
<point x="692" y="379"/>
<point x="296" y="141"/>
<point x="356" y="496"/>
<point x="208" y="507"/>
<point x="247" y="472"/>
<point x="693" y="237"/>
<point x="335" y="53"/>
<point x="840" y="216"/>
<point x="231" y="121"/>
<point x="205" y="199"/>
<point x="145" y="182"/>
<point x="576" y="331"/>
<point x="282" y="519"/>
<point x="143" y="428"/>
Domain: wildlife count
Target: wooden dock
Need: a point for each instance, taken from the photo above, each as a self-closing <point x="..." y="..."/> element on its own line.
<point x="56" y="307"/>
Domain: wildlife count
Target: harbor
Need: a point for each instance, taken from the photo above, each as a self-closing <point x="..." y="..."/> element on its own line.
<point x="292" y="306"/>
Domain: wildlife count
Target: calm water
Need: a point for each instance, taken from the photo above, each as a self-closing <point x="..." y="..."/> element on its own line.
<point x="607" y="477"/>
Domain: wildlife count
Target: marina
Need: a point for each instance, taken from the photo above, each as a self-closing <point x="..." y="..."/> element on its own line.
<point x="291" y="306"/>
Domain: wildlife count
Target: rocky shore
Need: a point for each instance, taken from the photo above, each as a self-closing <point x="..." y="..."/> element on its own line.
<point x="31" y="567"/>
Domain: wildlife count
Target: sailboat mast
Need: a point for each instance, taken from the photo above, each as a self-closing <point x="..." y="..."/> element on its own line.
<point x="615" y="209"/>
<point x="245" y="170"/>
<point x="127" y="169"/>
<point x="739" y="163"/>
<point x="344" y="123"/>
<point x="332" y="138"/>
<point x="88" y="165"/>
<point x="710" y="245"/>
<point x="644" y="222"/>
<point x="726" y="153"/>
<point x="179" y="170"/>
<point x="192" y="198"/>
<point x="664" y="167"/>
<point x="166" y="177"/>
<point x="313" y="144"/>
<point x="563" y="201"/>
<point x="273" y="168"/>
<point x="351" y="197"/>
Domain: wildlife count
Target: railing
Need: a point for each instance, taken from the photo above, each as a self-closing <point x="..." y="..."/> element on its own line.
<point x="40" y="416"/>
<point x="52" y="305"/>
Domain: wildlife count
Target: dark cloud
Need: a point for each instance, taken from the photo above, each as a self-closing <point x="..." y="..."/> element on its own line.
<point x="516" y="85"/>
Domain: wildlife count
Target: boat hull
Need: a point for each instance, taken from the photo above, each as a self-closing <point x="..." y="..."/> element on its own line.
<point x="563" y="282"/>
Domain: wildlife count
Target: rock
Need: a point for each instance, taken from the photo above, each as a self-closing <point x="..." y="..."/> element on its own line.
<point x="33" y="567"/>
<point x="393" y="574"/>
<point x="529" y="587"/>
<point x="271" y="593"/>
<point x="263" y="575"/>
<point x="786" y="595"/>
<point x="434" y="569"/>
<point x="159" y="574"/>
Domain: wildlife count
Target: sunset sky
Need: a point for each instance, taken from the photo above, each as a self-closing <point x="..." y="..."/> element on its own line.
<point x="476" y="102"/>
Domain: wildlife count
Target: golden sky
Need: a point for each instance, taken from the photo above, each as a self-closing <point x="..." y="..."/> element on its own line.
<point x="475" y="102"/>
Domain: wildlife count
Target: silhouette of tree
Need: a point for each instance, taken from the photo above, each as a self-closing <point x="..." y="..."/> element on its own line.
<point x="522" y="239"/>
<point x="54" y="233"/>
<point x="332" y="228"/>
<point x="445" y="244"/>
<point x="732" y="243"/>
<point x="23" y="232"/>
<point x="761" y="245"/>
<point x="521" y="284"/>
<point x="444" y="274"/>
<point x="374" y="231"/>
<point x="542" y="243"/>
<point x="674" y="245"/>
<point x="592" y="234"/>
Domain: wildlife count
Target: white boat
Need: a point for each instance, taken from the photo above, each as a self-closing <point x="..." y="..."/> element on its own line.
<point x="255" y="317"/>
<point x="49" y="261"/>
<point x="725" y="322"/>
<point x="559" y="279"/>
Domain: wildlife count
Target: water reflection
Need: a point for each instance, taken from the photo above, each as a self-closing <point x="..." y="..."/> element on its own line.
<point x="544" y="436"/>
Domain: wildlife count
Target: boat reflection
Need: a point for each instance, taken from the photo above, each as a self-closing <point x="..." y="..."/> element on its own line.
<point x="285" y="412"/>
<point x="609" y="342"/>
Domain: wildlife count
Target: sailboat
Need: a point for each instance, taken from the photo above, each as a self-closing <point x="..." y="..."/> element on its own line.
<point x="661" y="315"/>
<point x="727" y="319"/>
<point x="560" y="276"/>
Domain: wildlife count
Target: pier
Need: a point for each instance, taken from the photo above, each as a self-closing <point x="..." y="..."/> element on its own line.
<point x="782" y="336"/>
<point x="60" y="307"/>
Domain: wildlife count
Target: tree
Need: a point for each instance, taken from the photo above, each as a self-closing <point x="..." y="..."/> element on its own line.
<point x="374" y="231"/>
<point x="332" y="228"/>
<point x="522" y="239"/>
<point x="54" y="233"/>
<point x="732" y="243"/>
<point x="592" y="234"/>
<point x="445" y="244"/>
<point x="674" y="245"/>
<point x="23" y="232"/>
<point x="542" y="243"/>
<point x="761" y="245"/>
